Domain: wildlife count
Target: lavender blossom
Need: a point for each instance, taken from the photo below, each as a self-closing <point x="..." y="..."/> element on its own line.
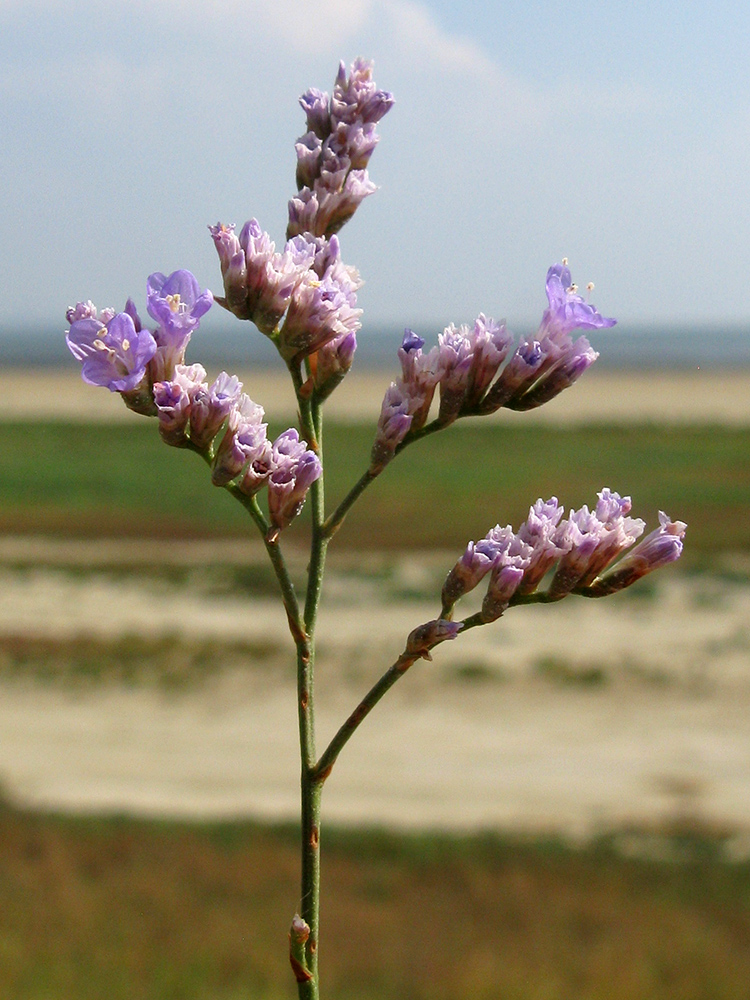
<point x="594" y="538"/>
<point x="490" y="344"/>
<point x="332" y="362"/>
<point x="568" y="311"/>
<point x="562" y="375"/>
<point x="258" y="282"/>
<point x="114" y="353"/>
<point x="421" y="373"/>
<point x="210" y="408"/>
<point x="662" y="546"/>
<point x="455" y="360"/>
<point x="316" y="105"/>
<point x="393" y="425"/>
<point x="244" y="441"/>
<point x="468" y="572"/>
<point x="323" y="302"/>
<point x="468" y="360"/>
<point x="174" y="401"/>
<point x="356" y="97"/>
<point x="425" y="637"/>
<point x="177" y="304"/>
<point x="548" y="542"/>
<point x="336" y="197"/>
<point x="333" y="155"/>
<point x="295" y="469"/>
<point x="512" y="557"/>
<point x="307" y="286"/>
<point x="551" y="361"/>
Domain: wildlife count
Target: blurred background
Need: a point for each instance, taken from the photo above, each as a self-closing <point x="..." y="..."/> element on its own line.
<point x="557" y="807"/>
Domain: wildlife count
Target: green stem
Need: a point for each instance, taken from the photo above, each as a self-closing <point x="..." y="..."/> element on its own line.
<point x="328" y="759"/>
<point x="311" y="787"/>
<point x="288" y="593"/>
<point x="334" y="522"/>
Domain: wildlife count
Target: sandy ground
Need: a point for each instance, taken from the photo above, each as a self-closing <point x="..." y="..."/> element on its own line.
<point x="667" y="731"/>
<point x="697" y="396"/>
<point x="525" y="744"/>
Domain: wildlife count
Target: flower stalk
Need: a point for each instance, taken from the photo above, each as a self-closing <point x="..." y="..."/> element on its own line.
<point x="303" y="298"/>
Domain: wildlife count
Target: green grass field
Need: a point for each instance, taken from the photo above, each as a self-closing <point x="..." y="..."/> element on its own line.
<point x="82" y="480"/>
<point x="117" y="909"/>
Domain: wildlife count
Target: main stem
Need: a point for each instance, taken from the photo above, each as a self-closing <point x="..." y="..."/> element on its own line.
<point x="311" y="785"/>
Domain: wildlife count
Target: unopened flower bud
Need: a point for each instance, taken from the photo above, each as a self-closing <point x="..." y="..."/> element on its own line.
<point x="332" y="362"/>
<point x="662" y="546"/>
<point x="393" y="425"/>
<point x="299" y="932"/>
<point x="295" y="469"/>
<point x="422" y="639"/>
<point x="473" y="565"/>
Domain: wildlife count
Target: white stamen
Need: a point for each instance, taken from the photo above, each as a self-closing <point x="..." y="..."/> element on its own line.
<point x="126" y="344"/>
<point x="100" y="345"/>
<point x="590" y="286"/>
<point x="174" y="303"/>
<point x="565" y="261"/>
<point x="572" y="290"/>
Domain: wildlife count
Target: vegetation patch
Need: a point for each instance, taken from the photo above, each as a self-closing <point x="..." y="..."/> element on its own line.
<point x="116" y="908"/>
<point x="169" y="662"/>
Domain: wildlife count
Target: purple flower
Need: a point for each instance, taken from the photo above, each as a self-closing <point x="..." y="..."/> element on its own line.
<point x="594" y="539"/>
<point x="393" y="425"/>
<point x="550" y="362"/>
<point x="563" y="374"/>
<point x="211" y="406"/>
<point x="336" y="196"/>
<point x="356" y="97"/>
<point x="323" y="301"/>
<point x="568" y="311"/>
<point x="468" y="572"/>
<point x="425" y="637"/>
<point x="548" y="542"/>
<point x="307" y="286"/>
<point x="114" y="352"/>
<point x="244" y="441"/>
<point x="490" y="344"/>
<point x="662" y="546"/>
<point x="177" y="304"/>
<point x="421" y="373"/>
<point x="258" y="282"/>
<point x="175" y="400"/>
<point x="295" y="469"/>
<point x="463" y="364"/>
<point x="332" y="362"/>
<point x="316" y="105"/>
<point x="512" y="556"/>
<point x="455" y="360"/>
<point x="332" y="156"/>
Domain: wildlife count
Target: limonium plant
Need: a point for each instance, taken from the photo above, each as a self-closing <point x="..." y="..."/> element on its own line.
<point x="304" y="298"/>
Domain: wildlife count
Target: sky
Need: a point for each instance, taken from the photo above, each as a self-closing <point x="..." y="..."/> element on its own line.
<point x="614" y="134"/>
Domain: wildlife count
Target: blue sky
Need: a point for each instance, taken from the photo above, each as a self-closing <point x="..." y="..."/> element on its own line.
<point x="615" y="134"/>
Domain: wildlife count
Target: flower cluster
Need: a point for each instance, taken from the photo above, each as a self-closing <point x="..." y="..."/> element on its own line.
<point x="193" y="413"/>
<point x="304" y="298"/>
<point x="332" y="156"/>
<point x="583" y="546"/>
<point x="147" y="369"/>
<point x="466" y="362"/>
<point x="115" y="350"/>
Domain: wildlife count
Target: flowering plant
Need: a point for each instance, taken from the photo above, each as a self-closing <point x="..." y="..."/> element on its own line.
<point x="304" y="298"/>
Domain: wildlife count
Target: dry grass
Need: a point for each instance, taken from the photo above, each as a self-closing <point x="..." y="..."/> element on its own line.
<point x="128" y="909"/>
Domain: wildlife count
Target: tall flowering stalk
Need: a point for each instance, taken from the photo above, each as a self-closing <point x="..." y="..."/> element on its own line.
<point x="304" y="298"/>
